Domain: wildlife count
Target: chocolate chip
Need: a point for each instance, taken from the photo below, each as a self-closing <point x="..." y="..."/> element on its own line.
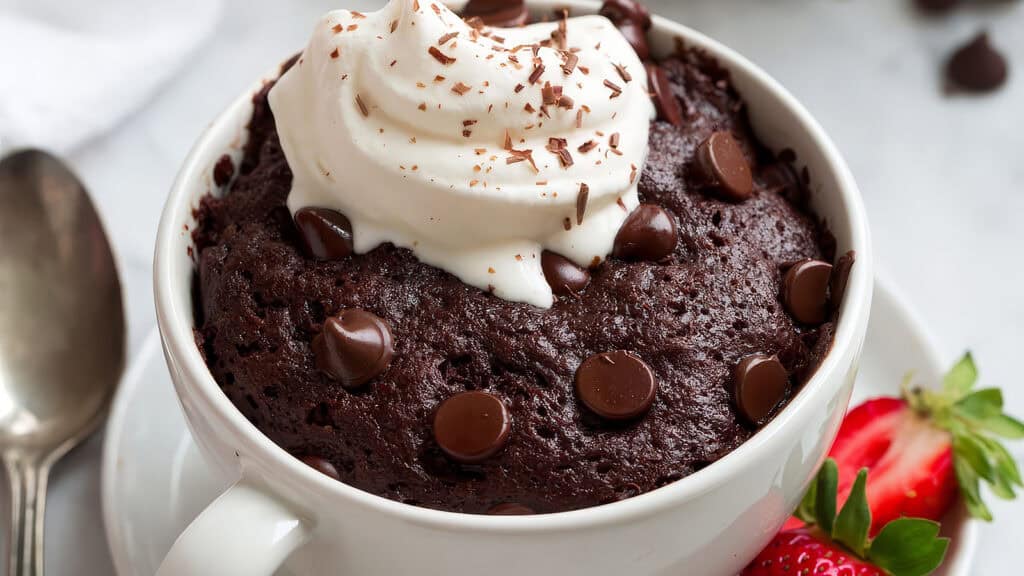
<point x="564" y="276"/>
<point x="936" y="5"/>
<point x="223" y="170"/>
<point x="665" y="101"/>
<point x="633" y="20"/>
<point x="840" y="277"/>
<point x="322" y="466"/>
<point x="781" y="177"/>
<point x="472" y="426"/>
<point x="977" y="66"/>
<point x="510" y="509"/>
<point x="501" y="13"/>
<point x="725" y="167"/>
<point x="326" y="234"/>
<point x="615" y="385"/>
<point x="649" y="233"/>
<point x="354" y="347"/>
<point x="760" y="383"/>
<point x="805" y="290"/>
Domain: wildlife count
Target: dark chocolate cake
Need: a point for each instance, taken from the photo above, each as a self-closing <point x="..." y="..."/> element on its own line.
<point x="697" y="325"/>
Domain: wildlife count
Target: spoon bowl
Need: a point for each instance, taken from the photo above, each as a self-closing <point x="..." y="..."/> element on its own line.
<point x="61" y="332"/>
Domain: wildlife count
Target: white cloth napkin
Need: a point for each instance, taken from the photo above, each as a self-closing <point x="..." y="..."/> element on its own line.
<point x="71" y="69"/>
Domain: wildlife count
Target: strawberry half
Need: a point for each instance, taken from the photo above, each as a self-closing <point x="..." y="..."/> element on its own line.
<point x="922" y="449"/>
<point x="909" y="461"/>
<point x="838" y="544"/>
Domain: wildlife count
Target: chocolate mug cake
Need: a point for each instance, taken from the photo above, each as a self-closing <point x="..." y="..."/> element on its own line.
<point x="508" y="270"/>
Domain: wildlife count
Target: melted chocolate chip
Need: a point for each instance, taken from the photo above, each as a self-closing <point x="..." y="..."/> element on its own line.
<point x="472" y="426"/>
<point x="761" y="383"/>
<point x="840" y="277"/>
<point x="633" y="20"/>
<point x="322" y="466"/>
<point x="564" y="276"/>
<point x="501" y="13"/>
<point x="354" y="347"/>
<point x="724" y="166"/>
<point x="805" y="290"/>
<point x="510" y="509"/>
<point x="615" y="385"/>
<point x="649" y="233"/>
<point x="782" y="177"/>
<point x="665" y="101"/>
<point x="936" y="5"/>
<point x="326" y="234"/>
<point x="977" y="66"/>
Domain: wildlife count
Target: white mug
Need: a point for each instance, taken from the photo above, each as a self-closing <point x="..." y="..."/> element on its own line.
<point x="282" y="515"/>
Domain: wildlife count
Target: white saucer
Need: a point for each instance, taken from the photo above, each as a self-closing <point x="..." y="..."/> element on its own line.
<point x="155" y="481"/>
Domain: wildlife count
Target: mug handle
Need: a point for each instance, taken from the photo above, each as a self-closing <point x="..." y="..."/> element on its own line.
<point x="244" y="532"/>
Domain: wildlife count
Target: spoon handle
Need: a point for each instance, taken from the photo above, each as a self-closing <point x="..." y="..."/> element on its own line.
<point x="27" y="478"/>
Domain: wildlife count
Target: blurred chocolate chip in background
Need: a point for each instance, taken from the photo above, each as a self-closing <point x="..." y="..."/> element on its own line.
<point x="936" y="6"/>
<point x="977" y="66"/>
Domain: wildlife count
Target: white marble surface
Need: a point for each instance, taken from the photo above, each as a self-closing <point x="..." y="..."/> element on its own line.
<point x="941" y="178"/>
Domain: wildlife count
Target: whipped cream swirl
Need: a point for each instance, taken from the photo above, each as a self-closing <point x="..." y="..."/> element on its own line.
<point x="475" y="147"/>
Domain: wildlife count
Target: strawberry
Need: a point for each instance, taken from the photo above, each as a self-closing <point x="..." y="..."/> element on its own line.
<point x="838" y="544"/>
<point x="922" y="449"/>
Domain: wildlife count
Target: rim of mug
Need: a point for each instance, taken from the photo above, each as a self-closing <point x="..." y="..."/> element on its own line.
<point x="176" y="323"/>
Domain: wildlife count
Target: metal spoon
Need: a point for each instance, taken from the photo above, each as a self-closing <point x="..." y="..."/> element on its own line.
<point x="61" y="334"/>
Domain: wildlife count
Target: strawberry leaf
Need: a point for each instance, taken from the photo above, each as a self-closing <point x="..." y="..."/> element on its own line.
<point x="969" y="489"/>
<point x="825" y="495"/>
<point x="854" y="520"/>
<point x="961" y="378"/>
<point x="806" y="509"/>
<point x="971" y="452"/>
<point x="982" y="404"/>
<point x="908" y="547"/>
<point x="1002" y="425"/>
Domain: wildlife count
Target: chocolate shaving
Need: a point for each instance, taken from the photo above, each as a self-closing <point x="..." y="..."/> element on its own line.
<point x="579" y="118"/>
<point x="468" y="122"/>
<point x="475" y="22"/>
<point x="446" y="37"/>
<point x="519" y="88"/>
<point x="444" y="58"/>
<point x="570" y="62"/>
<point x="529" y="108"/>
<point x="565" y="102"/>
<point x="587" y="146"/>
<point x="335" y="53"/>
<point x="357" y="15"/>
<point x="551" y="94"/>
<point x="585" y="70"/>
<point x="567" y="224"/>
<point x="632" y="173"/>
<point x="422" y="106"/>
<point x="467" y="133"/>
<point x="415" y="5"/>
<point x="438" y="78"/>
<point x="538" y="70"/>
<point x="581" y="202"/>
<point x="613" y="87"/>
<point x="337" y="28"/>
<point x="613" y="140"/>
<point x="623" y="73"/>
<point x="394" y="26"/>
<point x="460" y="88"/>
<point x="362" y="105"/>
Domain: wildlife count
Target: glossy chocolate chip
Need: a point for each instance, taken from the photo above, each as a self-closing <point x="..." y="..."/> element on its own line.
<point x="501" y="13"/>
<point x="760" y="385"/>
<point x="649" y="233"/>
<point x="840" y="277"/>
<point x="665" y="101"/>
<point x="977" y="66"/>
<point x="326" y="234"/>
<point x="936" y="5"/>
<point x="724" y="166"/>
<point x="354" y="347"/>
<point x="616" y="385"/>
<point x="633" y="20"/>
<point x="564" y="276"/>
<point x="472" y="426"/>
<point x="322" y="466"/>
<point x="805" y="290"/>
<point x="510" y="509"/>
